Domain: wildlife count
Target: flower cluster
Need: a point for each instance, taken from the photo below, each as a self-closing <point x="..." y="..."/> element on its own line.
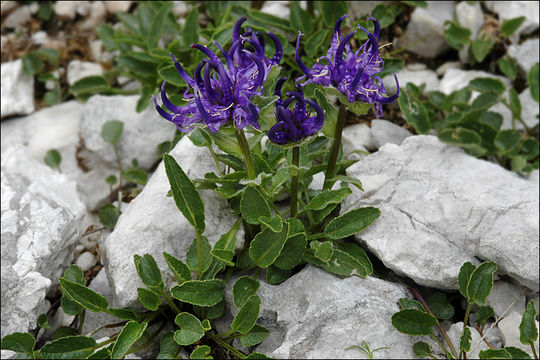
<point x="223" y="91"/>
<point x="352" y="75"/>
<point x="293" y="126"/>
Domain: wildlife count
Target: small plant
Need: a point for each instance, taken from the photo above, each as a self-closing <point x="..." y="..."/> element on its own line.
<point x="365" y="348"/>
<point x="53" y="159"/>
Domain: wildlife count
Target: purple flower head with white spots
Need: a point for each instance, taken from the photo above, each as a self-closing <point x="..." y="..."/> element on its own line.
<point x="352" y="73"/>
<point x="294" y="126"/>
<point x="223" y="91"/>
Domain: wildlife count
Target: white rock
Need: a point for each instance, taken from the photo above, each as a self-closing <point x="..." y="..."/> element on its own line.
<point x="101" y="285"/>
<point x="7" y="6"/>
<point x="441" y="70"/>
<point x="356" y="136"/>
<point x="115" y="6"/>
<point x="513" y="9"/>
<point x="361" y="8"/>
<point x="529" y="110"/>
<point x="276" y="8"/>
<point x="441" y="207"/>
<point x="65" y="10"/>
<point x="456" y="79"/>
<point x="385" y="132"/>
<point x="17" y="18"/>
<point x="502" y="295"/>
<point x="40" y="38"/>
<point x="469" y="16"/>
<point x="153" y="215"/>
<point x="83" y="8"/>
<point x="86" y="261"/>
<point x="317" y="315"/>
<point x="454" y="333"/>
<point x="78" y="69"/>
<point x="509" y="327"/>
<point x="17" y="90"/>
<point x="415" y="75"/>
<point x="180" y="8"/>
<point x="525" y="54"/>
<point x="424" y="33"/>
<point x="98" y="12"/>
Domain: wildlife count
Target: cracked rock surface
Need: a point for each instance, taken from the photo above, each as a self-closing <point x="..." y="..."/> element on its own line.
<point x="441" y="207"/>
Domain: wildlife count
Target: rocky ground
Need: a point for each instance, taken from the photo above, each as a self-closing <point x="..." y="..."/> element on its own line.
<point x="440" y="206"/>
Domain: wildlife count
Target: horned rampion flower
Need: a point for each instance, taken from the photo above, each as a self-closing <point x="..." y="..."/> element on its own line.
<point x="223" y="91"/>
<point x="294" y="126"/>
<point x="352" y="73"/>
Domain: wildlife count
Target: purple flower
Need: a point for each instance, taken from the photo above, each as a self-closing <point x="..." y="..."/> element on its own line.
<point x="294" y="126"/>
<point x="352" y="73"/>
<point x="219" y="92"/>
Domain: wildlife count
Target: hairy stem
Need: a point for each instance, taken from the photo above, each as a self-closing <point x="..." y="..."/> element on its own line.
<point x="331" y="167"/>
<point x="246" y="152"/>
<point x="224" y="345"/>
<point x="294" y="181"/>
<point x="169" y="301"/>
<point x="534" y="351"/>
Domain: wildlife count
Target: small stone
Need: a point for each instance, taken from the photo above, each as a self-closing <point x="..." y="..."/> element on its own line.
<point x="469" y="16"/>
<point x="525" y="54"/>
<point x="116" y="6"/>
<point x="97" y="16"/>
<point x="441" y="70"/>
<point x="385" y="132"/>
<point x="509" y="327"/>
<point x="180" y="9"/>
<point x="17" y="18"/>
<point x="276" y="8"/>
<point x="17" y="90"/>
<point x="529" y="110"/>
<point x="362" y="8"/>
<point x="502" y="295"/>
<point x="454" y="333"/>
<point x="86" y="261"/>
<point x="412" y="74"/>
<point x="513" y="9"/>
<point x="456" y="79"/>
<point x="65" y="10"/>
<point x="40" y="38"/>
<point x="79" y="69"/>
<point x="356" y="136"/>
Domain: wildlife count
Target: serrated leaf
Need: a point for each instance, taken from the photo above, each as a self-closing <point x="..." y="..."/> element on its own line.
<point x="190" y="331"/>
<point x="135" y="176"/>
<point x="43" y="322"/>
<point x="414" y="112"/>
<point x="243" y="288"/>
<point x="149" y="272"/>
<point x="494" y="354"/>
<point x="411" y="304"/>
<point x="267" y="245"/>
<point x="192" y="256"/>
<point x="528" y="332"/>
<point x="465" y="340"/>
<point x="532" y="80"/>
<point x="185" y="195"/>
<point x="255" y="336"/>
<point x="70" y="347"/>
<point x="168" y="348"/>
<point x="481" y="283"/>
<point x="326" y="197"/>
<point x="253" y="205"/>
<point x="510" y="26"/>
<point x="455" y="35"/>
<point x="300" y="19"/>
<point x="421" y="349"/>
<point x="487" y="84"/>
<point x="178" y="268"/>
<point x="31" y="64"/>
<point x="149" y="299"/>
<point x="464" y="276"/>
<point x="323" y="250"/>
<point x="131" y="332"/>
<point x="89" y="85"/>
<point x="351" y="222"/>
<point x="507" y="141"/>
<point x="84" y="296"/>
<point x="200" y="292"/>
<point x="247" y="316"/>
<point x="414" y="322"/>
<point x="517" y="353"/>
<point x="331" y="11"/>
<point x="201" y="352"/>
<point x="481" y="47"/>
<point x="19" y="342"/>
<point x="508" y="66"/>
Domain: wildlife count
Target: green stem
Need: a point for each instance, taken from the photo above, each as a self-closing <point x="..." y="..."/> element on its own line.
<point x="108" y="341"/>
<point x="224" y="345"/>
<point x="308" y="213"/>
<point x="244" y="146"/>
<point x="150" y="339"/>
<point x="331" y="167"/>
<point x="316" y="236"/>
<point x="199" y="255"/>
<point x="534" y="351"/>
<point x="441" y="345"/>
<point x="216" y="160"/>
<point x="81" y="320"/>
<point x="294" y="181"/>
<point x="115" y="146"/>
<point x="169" y="301"/>
<point x="465" y="321"/>
<point x="514" y="118"/>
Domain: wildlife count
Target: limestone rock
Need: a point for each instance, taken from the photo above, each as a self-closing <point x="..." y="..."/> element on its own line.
<point x="385" y="132"/>
<point x="115" y="6"/>
<point x="454" y="333"/>
<point x="509" y="327"/>
<point x="457" y="79"/>
<point x="525" y="54"/>
<point x="86" y="261"/>
<point x="152" y="224"/>
<point x="441" y="70"/>
<point x="415" y="75"/>
<point x="502" y="295"/>
<point x="17" y="18"/>
<point x="65" y="10"/>
<point x="79" y="69"/>
<point x="355" y="137"/>
<point x="276" y="8"/>
<point x="17" y="90"/>
<point x="513" y="9"/>
<point x="441" y="207"/>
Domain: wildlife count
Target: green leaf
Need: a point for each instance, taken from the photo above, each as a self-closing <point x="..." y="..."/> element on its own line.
<point x="111" y="180"/>
<point x="125" y="314"/>
<point x="532" y="80"/>
<point x="206" y="325"/>
<point x="255" y="336"/>
<point x="464" y="138"/>
<point x="483" y="313"/>
<point x="156" y="28"/>
<point x="530" y="148"/>
<point x="528" y="332"/>
<point x="341" y="263"/>
<point x="199" y="292"/>
<point x="49" y="55"/>
<point x="515" y="104"/>
<point x="510" y="26"/>
<point x="494" y="354"/>
<point x="31" y="64"/>
<point x="326" y="197"/>
<point x="464" y="276"/>
<point x="266" y="246"/>
<point x="292" y="252"/>
<point x="329" y="126"/>
<point x="268" y="19"/>
<point x="421" y="349"/>
<point x="191" y="27"/>
<point x="487" y="84"/>
<point x="178" y="268"/>
<point x="414" y="322"/>
<point x="171" y="75"/>
<point x="227" y="142"/>
<point x="54" y="96"/>
<point x="19" y="342"/>
<point x="422" y="4"/>
<point x="351" y="222"/>
<point x="108" y="215"/>
<point x="135" y="176"/>
<point x="144" y="69"/>
<point x="508" y="66"/>
<point x="275" y="275"/>
<point x="103" y="353"/>
<point x="440" y="307"/>
<point x="247" y="316"/>
<point x="455" y="35"/>
<point x="484" y="101"/>
<point x="112" y="130"/>
<point x="517" y="353"/>
<point x="185" y="195"/>
<point x="315" y="42"/>
<point x="481" y="283"/>
<point x="481" y="47"/>
<point x="200" y="137"/>
<point x="253" y="205"/>
<point x="243" y="288"/>
<point x="300" y="19"/>
<point x="149" y="272"/>
<point x="149" y="299"/>
<point x="168" y="348"/>
<point x="331" y="11"/>
<point x="415" y="113"/>
<point x="411" y="304"/>
<point x="43" y="322"/>
<point x="89" y="85"/>
<point x="465" y="340"/>
<point x="192" y="256"/>
<point x="45" y="10"/>
<point x="83" y="296"/>
<point x="323" y="250"/>
<point x="64" y="331"/>
<point x="190" y="331"/>
<point x="53" y="158"/>
<point x="274" y="223"/>
<point x="201" y="352"/>
<point x="130" y="333"/>
<point x="70" y="307"/>
<point x="144" y="100"/>
<point x="507" y="141"/>
<point x="70" y="347"/>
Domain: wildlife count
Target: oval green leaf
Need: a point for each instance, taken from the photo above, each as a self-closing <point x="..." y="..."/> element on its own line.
<point x="481" y="283"/>
<point x="149" y="272"/>
<point x="414" y="322"/>
<point x="149" y="299"/>
<point x="190" y="331"/>
<point x="129" y="335"/>
<point x="168" y="348"/>
<point x="178" y="268"/>
<point x="112" y="130"/>
<point x="255" y="336"/>
<point x="267" y="245"/>
<point x="19" y="342"/>
<point x="70" y="347"/>
<point x="89" y="299"/>
<point x="528" y="332"/>
<point x="253" y="205"/>
<point x="351" y="222"/>
<point x="243" y="288"/>
<point x="247" y="316"/>
<point x="135" y="176"/>
<point x="89" y="85"/>
<point x="200" y="292"/>
<point x="53" y="158"/>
